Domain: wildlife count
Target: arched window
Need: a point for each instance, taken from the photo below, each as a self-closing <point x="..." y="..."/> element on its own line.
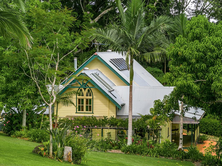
<point x="84" y="100"/>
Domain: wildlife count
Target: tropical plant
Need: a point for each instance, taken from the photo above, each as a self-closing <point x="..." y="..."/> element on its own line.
<point x="12" y="25"/>
<point x="65" y="99"/>
<point x="129" y="36"/>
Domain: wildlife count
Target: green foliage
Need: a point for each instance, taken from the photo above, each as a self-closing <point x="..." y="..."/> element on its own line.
<point x="211" y="126"/>
<point x="148" y="148"/>
<point x="38" y="135"/>
<point x="218" y="150"/>
<point x="34" y="135"/>
<point x="201" y="138"/>
<point x="13" y="121"/>
<point x="105" y="144"/>
<point x="93" y="121"/>
<point x="195" y="66"/>
<point x="79" y="148"/>
<point x="58" y="141"/>
<point x="194" y="154"/>
<point x="209" y="160"/>
<point x="157" y="73"/>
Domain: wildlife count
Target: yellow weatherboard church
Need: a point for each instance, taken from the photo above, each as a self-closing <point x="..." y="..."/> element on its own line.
<point x="105" y="92"/>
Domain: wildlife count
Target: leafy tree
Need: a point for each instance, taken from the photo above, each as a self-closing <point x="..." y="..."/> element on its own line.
<point x="16" y="90"/>
<point x="53" y="43"/>
<point x="195" y="66"/>
<point x="129" y="36"/>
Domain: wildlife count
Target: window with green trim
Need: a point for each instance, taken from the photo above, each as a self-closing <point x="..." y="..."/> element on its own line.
<point x="84" y="100"/>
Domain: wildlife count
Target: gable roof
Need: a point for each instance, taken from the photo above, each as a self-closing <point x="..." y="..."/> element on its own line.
<point x="105" y="85"/>
<point x="114" y="61"/>
<point x="141" y="76"/>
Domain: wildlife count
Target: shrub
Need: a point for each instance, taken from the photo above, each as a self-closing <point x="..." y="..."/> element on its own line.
<point x="194" y="154"/>
<point x="79" y="148"/>
<point x="38" y="135"/>
<point x="209" y="160"/>
<point x="21" y="133"/>
<point x="211" y="125"/>
<point x="13" y="121"/>
<point x="201" y="138"/>
<point x="167" y="149"/>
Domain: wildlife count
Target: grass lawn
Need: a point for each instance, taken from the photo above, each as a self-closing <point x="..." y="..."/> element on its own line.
<point x="17" y="152"/>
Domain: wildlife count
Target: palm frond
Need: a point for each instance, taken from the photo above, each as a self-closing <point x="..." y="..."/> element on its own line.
<point x="21" y="4"/>
<point x="122" y="14"/>
<point x="109" y="37"/>
<point x="179" y="25"/>
<point x="12" y="25"/>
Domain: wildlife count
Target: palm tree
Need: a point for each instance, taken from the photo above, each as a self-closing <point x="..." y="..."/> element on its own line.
<point x="161" y="42"/>
<point x="11" y="25"/>
<point x="66" y="100"/>
<point x="159" y="50"/>
<point x="129" y="36"/>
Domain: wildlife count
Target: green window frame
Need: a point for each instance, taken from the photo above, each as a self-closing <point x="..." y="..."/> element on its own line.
<point x="84" y="100"/>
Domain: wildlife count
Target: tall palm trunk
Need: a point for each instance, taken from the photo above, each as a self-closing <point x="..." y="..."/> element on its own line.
<point x="181" y="127"/>
<point x="129" y="142"/>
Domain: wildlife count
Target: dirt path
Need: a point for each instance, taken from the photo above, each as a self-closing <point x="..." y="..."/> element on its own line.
<point x="205" y="145"/>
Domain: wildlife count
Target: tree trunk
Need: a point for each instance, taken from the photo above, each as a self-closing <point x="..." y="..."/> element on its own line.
<point x="181" y="127"/>
<point x="24" y="119"/>
<point x="165" y="65"/>
<point x="56" y="117"/>
<point x="50" y="128"/>
<point x="129" y="141"/>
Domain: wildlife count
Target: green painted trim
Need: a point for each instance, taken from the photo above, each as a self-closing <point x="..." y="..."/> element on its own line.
<point x="95" y="86"/>
<point x="98" y="57"/>
<point x="81" y="87"/>
<point x="103" y="92"/>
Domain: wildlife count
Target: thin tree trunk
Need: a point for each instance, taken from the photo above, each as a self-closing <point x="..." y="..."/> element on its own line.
<point x="129" y="141"/>
<point x="181" y="127"/>
<point x="50" y="128"/>
<point x="41" y="121"/>
<point x="56" y="117"/>
<point x="165" y="65"/>
<point x="24" y="119"/>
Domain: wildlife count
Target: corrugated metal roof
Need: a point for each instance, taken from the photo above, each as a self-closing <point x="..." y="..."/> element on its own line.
<point x="141" y="76"/>
<point x="143" y="98"/>
<point x="193" y="113"/>
<point x="102" y="84"/>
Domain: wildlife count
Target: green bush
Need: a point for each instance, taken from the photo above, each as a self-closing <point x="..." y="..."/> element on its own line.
<point x="211" y="125"/>
<point x="194" y="154"/>
<point x="167" y="149"/>
<point x="79" y="148"/>
<point x="13" y="121"/>
<point x="209" y="160"/>
<point x="21" y="133"/>
<point x="105" y="144"/>
<point x="201" y="138"/>
<point x="38" y="135"/>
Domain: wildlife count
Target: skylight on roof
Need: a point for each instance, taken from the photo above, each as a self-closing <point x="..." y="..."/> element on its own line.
<point x="119" y="63"/>
<point x="102" y="81"/>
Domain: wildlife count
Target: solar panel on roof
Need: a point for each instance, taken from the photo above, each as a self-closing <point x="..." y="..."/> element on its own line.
<point x="104" y="83"/>
<point x="119" y="63"/>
